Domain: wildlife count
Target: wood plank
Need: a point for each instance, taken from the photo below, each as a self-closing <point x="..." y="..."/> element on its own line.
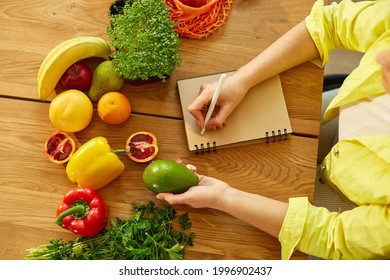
<point x="31" y="187"/>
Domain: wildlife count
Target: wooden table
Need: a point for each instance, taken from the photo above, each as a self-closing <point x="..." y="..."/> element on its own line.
<point x="31" y="187"/>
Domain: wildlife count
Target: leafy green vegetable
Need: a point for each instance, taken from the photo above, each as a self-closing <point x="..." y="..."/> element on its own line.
<point x="145" y="42"/>
<point x="148" y="235"/>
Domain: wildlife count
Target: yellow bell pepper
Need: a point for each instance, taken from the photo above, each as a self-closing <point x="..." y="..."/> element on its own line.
<point x="94" y="164"/>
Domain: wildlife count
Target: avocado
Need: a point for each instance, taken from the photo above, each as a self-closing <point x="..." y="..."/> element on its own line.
<point x="168" y="176"/>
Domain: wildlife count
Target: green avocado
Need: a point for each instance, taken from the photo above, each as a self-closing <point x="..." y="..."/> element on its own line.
<point x="168" y="176"/>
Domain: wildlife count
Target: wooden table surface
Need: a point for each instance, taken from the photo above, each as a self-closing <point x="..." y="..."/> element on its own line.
<point x="31" y="187"/>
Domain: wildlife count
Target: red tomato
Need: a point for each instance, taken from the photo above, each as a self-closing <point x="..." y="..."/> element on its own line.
<point x="194" y="3"/>
<point x="78" y="76"/>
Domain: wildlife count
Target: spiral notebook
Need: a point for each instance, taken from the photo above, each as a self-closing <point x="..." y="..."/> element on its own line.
<point x="261" y="116"/>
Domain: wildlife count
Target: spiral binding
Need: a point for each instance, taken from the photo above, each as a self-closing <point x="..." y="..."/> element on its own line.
<point x="272" y="136"/>
<point x="276" y="136"/>
<point x="208" y="149"/>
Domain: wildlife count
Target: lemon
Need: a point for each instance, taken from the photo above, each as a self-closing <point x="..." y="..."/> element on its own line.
<point x="71" y="111"/>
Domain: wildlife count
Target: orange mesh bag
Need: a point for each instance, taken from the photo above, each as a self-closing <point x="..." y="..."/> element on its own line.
<point x="199" y="22"/>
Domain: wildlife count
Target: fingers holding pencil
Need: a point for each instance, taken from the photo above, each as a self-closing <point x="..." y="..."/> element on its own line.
<point x="214" y="101"/>
<point x="229" y="97"/>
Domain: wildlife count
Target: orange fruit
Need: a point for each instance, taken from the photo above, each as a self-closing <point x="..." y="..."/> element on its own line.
<point x="114" y="107"/>
<point x="142" y="146"/>
<point x="59" y="147"/>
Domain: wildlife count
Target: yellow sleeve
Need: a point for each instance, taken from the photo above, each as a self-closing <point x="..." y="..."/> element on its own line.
<point x="360" y="233"/>
<point x="345" y="25"/>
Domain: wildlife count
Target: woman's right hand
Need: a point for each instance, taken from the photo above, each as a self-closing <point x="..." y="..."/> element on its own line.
<point x="232" y="93"/>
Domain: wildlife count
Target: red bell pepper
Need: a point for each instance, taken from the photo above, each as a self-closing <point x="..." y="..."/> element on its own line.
<point x="83" y="212"/>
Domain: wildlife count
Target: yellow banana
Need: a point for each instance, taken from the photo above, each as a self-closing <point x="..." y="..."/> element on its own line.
<point x="63" y="56"/>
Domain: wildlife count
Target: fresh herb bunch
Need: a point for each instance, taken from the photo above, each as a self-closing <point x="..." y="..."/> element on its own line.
<point x="145" y="42"/>
<point x="148" y="235"/>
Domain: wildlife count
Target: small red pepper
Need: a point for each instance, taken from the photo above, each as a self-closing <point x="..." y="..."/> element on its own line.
<point x="83" y="212"/>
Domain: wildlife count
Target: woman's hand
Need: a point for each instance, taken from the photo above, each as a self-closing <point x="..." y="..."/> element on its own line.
<point x="207" y="194"/>
<point x="231" y="95"/>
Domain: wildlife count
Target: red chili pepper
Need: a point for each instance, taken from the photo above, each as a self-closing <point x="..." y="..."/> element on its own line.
<point x="83" y="212"/>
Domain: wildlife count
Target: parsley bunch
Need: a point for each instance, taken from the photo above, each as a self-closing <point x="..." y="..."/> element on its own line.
<point x="148" y="235"/>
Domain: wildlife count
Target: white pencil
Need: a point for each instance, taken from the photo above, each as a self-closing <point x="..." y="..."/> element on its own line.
<point x="213" y="101"/>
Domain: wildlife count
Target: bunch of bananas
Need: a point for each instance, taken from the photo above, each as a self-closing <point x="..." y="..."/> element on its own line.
<point x="63" y="56"/>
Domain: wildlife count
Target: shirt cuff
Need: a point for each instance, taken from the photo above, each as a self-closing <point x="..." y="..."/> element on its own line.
<point x="293" y="226"/>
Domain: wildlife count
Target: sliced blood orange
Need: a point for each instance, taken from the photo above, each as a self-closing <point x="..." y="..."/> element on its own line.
<point x="59" y="147"/>
<point x="142" y="146"/>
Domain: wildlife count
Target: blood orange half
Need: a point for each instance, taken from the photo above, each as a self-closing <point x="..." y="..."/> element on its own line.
<point x="142" y="146"/>
<point x="59" y="147"/>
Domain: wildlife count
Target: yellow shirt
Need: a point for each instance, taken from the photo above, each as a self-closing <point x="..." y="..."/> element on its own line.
<point x="358" y="169"/>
